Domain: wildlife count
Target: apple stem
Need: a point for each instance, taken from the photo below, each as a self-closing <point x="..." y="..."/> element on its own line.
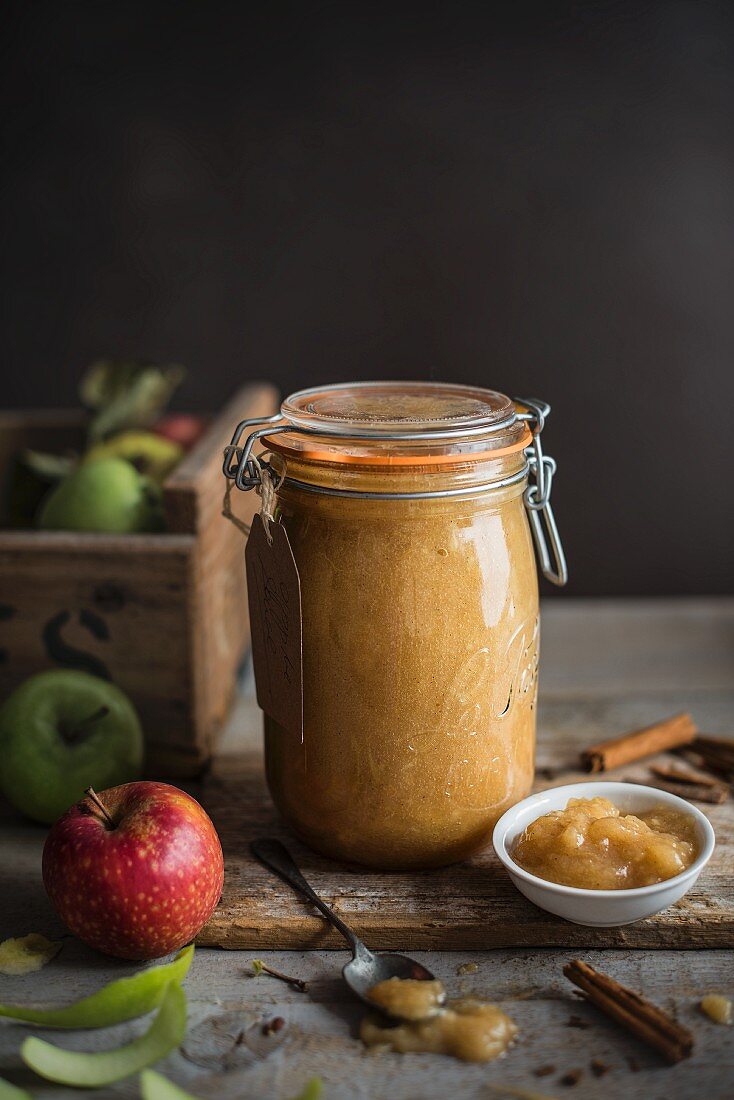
<point x="94" y="797"/>
<point x="75" y="732"/>
<point x="258" y="965"/>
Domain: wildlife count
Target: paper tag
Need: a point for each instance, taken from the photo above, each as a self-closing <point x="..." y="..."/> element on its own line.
<point x="274" y="597"/>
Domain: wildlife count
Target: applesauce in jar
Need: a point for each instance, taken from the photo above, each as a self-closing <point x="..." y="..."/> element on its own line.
<point x="404" y="505"/>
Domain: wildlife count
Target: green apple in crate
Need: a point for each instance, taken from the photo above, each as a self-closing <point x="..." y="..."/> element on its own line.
<point x="62" y="731"/>
<point x="103" y="494"/>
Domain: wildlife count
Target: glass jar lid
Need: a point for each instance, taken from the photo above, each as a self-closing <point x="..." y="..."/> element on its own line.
<point x="396" y="406"/>
<point x="398" y="423"/>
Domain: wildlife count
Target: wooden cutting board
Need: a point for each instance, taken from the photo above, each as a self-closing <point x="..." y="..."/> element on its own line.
<point x="469" y="905"/>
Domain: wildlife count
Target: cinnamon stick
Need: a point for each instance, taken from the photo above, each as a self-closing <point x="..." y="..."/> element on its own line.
<point x="692" y="792"/>
<point x="682" y="775"/>
<point x="632" y="1011"/>
<point x="668" y="734"/>
<point x="691" y="785"/>
<point x="716" y="754"/>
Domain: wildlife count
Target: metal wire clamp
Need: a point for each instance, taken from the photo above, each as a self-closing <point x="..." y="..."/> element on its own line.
<point x="537" y="495"/>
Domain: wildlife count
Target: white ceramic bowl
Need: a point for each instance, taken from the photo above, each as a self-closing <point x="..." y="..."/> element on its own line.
<point x="599" y="908"/>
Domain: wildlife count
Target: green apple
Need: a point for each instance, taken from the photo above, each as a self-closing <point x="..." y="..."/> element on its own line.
<point x="103" y="494"/>
<point x="63" y="731"/>
<point x="149" y="453"/>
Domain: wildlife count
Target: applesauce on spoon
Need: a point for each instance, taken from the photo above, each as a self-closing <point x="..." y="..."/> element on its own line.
<point x="408" y="998"/>
<point x="592" y="845"/>
<point x="467" y="1029"/>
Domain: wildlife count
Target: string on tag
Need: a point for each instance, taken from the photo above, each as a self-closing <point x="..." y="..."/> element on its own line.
<point x="268" y="503"/>
<point x="266" y="489"/>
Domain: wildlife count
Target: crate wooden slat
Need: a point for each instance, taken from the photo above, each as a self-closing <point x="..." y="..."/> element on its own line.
<point x="165" y="615"/>
<point x="129" y="591"/>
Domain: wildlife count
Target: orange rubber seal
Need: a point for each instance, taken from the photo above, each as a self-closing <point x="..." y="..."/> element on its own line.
<point x="313" y="455"/>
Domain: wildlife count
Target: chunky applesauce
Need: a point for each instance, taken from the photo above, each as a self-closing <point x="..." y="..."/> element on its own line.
<point x="470" y="1030"/>
<point x="593" y="845"/>
<point x="718" y="1008"/>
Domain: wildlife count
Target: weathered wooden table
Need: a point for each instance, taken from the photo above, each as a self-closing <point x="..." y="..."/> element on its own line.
<point x="606" y="667"/>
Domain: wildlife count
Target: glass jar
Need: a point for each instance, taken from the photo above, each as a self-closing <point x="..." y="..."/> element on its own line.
<point x="406" y="508"/>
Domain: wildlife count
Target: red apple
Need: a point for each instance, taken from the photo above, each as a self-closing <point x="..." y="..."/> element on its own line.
<point x="182" y="428"/>
<point x="135" y="871"/>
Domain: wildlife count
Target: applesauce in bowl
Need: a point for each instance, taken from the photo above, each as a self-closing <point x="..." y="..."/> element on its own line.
<point x="661" y="818"/>
<point x="406" y="510"/>
<point x="591" y="844"/>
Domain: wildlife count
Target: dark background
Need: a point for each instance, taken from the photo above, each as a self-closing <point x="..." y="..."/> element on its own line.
<point x="541" y="201"/>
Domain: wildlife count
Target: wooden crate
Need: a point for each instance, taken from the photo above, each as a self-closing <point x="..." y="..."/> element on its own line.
<point x="164" y="616"/>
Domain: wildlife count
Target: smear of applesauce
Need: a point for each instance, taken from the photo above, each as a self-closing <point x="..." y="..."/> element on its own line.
<point x="468" y="1029"/>
<point x="24" y="954"/>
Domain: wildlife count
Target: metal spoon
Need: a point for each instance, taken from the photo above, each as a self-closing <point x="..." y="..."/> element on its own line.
<point x="366" y="969"/>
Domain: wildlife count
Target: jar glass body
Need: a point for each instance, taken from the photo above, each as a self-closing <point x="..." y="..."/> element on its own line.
<point x="420" y="657"/>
